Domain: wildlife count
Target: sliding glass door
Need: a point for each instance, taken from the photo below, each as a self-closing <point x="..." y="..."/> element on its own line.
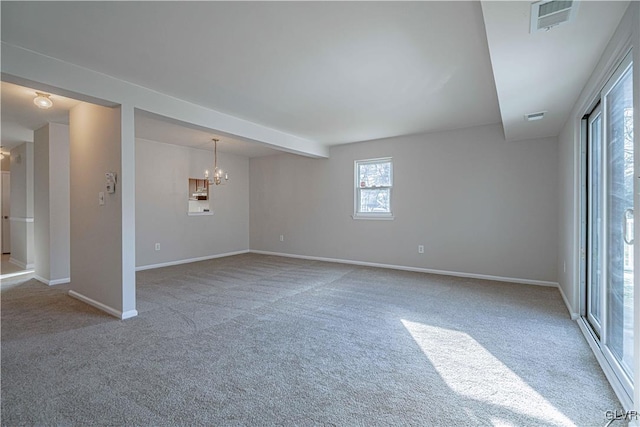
<point x="610" y="222"/>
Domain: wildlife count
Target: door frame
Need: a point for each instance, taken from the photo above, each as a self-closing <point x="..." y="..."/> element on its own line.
<point x="622" y="384"/>
<point x="5" y="226"/>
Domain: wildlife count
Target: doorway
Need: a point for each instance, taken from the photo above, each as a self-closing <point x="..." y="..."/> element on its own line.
<point x="5" y="188"/>
<point x="610" y="213"/>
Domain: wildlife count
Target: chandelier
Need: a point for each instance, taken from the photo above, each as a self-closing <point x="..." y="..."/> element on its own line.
<point x="219" y="176"/>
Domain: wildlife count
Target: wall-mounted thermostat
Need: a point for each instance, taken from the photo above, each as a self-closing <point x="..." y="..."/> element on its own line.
<point x="111" y="182"/>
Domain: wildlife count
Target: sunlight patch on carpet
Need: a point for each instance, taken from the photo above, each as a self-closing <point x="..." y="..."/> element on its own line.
<point x="473" y="372"/>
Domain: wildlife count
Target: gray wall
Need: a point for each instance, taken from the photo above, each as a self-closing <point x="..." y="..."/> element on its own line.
<point x="479" y="204"/>
<point x="22" y="246"/>
<point x="96" y="231"/>
<point x="51" y="203"/>
<point x="568" y="216"/>
<point x="41" y="203"/>
<point x="162" y="174"/>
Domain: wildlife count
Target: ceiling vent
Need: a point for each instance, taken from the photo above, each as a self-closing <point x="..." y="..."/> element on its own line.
<point x="534" y="116"/>
<point x="546" y="14"/>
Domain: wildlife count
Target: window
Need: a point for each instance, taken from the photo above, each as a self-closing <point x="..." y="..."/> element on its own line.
<point x="373" y="185"/>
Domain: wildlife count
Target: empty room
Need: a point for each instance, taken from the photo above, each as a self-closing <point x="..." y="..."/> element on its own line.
<point x="320" y="213"/>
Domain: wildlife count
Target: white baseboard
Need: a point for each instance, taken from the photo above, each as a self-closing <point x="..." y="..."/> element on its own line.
<point x="129" y="314"/>
<point x="187" y="261"/>
<point x="13" y="275"/>
<point x="52" y="282"/>
<point x="112" y="311"/>
<point x="416" y="269"/>
<point x="573" y="314"/>
<point x="21" y="264"/>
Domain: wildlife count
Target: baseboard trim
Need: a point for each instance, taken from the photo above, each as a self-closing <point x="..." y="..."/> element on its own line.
<point x="52" y="282"/>
<point x="189" y="260"/>
<point x="573" y="314"/>
<point x="613" y="379"/>
<point x="12" y="275"/>
<point x="129" y="314"/>
<point x="21" y="264"/>
<point x="415" y="269"/>
<point x="100" y="306"/>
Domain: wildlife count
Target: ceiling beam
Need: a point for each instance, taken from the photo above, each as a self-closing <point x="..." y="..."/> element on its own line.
<point x="29" y="68"/>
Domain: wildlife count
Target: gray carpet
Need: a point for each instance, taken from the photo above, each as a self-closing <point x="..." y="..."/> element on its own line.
<point x="261" y="340"/>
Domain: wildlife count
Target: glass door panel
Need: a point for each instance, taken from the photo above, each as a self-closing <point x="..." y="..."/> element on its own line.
<point x="618" y="106"/>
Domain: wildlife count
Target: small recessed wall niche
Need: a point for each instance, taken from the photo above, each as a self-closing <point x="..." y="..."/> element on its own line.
<point x="199" y="197"/>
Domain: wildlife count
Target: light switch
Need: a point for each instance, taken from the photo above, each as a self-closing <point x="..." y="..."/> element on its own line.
<point x="101" y="198"/>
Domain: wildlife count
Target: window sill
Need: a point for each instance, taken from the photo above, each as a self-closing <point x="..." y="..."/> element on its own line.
<point x="375" y="217"/>
<point x="199" y="213"/>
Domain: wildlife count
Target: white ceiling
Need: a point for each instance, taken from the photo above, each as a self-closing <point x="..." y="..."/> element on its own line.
<point x="20" y="117"/>
<point x="332" y="72"/>
<point x="544" y="71"/>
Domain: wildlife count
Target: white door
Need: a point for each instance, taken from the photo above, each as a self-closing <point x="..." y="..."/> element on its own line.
<point x="6" y="212"/>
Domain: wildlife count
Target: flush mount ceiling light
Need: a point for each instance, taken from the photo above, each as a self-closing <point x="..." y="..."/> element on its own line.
<point x="219" y="176"/>
<point x="43" y="101"/>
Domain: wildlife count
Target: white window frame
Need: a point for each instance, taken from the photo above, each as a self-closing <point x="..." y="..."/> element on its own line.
<point x="357" y="188"/>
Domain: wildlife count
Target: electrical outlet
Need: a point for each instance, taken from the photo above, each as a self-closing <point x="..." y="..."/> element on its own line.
<point x="157" y="246"/>
<point x="101" y="198"/>
<point x="282" y="237"/>
<point x="420" y="249"/>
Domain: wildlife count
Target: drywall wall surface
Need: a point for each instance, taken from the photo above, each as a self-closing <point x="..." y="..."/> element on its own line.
<point x="22" y="180"/>
<point x="22" y="244"/>
<point x="568" y="217"/>
<point x="162" y="184"/>
<point x="96" y="230"/>
<point x="51" y="203"/>
<point x="59" y="210"/>
<point x="41" y="203"/>
<point x="478" y="204"/>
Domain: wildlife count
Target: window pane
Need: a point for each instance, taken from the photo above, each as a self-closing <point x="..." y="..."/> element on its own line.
<point x="374" y="200"/>
<point x="374" y="174"/>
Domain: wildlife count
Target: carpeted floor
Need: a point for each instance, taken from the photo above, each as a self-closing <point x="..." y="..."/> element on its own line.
<point x="261" y="340"/>
<point x="9" y="270"/>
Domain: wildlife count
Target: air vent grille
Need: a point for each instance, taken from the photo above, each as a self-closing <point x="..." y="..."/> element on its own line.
<point x="553" y="7"/>
<point x="534" y="116"/>
<point x="547" y="14"/>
